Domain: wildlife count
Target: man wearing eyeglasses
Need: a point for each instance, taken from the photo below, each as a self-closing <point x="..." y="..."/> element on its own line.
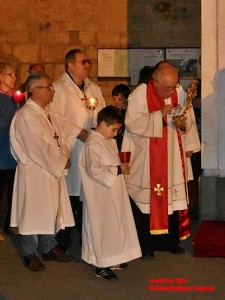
<point x="41" y="204"/>
<point x="160" y="163"/>
<point x="71" y="92"/>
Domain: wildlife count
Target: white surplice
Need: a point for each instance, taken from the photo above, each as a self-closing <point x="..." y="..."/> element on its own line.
<point x="142" y="125"/>
<point x="109" y="233"/>
<point x="69" y="104"/>
<point x="40" y="203"/>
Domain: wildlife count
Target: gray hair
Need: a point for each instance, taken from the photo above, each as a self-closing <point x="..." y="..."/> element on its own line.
<point x="33" y="81"/>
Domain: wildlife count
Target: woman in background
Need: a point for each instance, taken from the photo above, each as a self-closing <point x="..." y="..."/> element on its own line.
<point x="7" y="163"/>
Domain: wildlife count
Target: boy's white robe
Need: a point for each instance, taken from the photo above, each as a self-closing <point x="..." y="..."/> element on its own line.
<point x="109" y="233"/>
<point x="40" y="199"/>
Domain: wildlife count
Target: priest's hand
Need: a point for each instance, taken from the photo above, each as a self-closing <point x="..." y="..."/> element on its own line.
<point x="189" y="153"/>
<point x="125" y="169"/>
<point x="166" y="110"/>
<point x="68" y="164"/>
<point x="82" y="136"/>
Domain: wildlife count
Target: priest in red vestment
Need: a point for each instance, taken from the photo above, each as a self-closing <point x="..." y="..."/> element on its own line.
<point x="160" y="162"/>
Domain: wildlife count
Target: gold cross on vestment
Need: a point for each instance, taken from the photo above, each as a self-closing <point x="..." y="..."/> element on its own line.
<point x="175" y="192"/>
<point x="158" y="189"/>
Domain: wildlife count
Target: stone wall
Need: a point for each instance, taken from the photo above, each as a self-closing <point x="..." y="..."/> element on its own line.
<point x="165" y="23"/>
<point x="44" y="30"/>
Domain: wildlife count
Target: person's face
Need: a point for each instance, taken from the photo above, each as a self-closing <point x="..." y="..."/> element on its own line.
<point x="38" y="69"/>
<point x="119" y="101"/>
<point x="166" y="86"/>
<point x="80" y="67"/>
<point x="109" y="131"/>
<point x="44" y="92"/>
<point x="7" y="79"/>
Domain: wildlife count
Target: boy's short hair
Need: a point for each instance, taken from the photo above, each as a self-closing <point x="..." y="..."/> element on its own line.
<point x="111" y="115"/>
<point x="121" y="89"/>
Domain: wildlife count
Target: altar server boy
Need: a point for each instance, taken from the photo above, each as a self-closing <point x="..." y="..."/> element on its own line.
<point x="109" y="233"/>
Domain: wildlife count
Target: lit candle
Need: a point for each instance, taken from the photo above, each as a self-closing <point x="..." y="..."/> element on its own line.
<point x="92" y="103"/>
<point x="18" y="97"/>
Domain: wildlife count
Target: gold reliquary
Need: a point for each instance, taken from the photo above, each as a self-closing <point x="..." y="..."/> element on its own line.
<point x="179" y="120"/>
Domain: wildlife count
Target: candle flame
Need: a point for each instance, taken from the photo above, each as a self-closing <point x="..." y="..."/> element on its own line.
<point x="92" y="103"/>
<point x="18" y="96"/>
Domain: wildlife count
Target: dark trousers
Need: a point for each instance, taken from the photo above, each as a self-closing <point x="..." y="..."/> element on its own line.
<point x="149" y="242"/>
<point x="6" y="187"/>
<point x="63" y="236"/>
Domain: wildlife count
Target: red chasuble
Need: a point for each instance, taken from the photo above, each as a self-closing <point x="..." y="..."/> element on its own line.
<point x="159" y="171"/>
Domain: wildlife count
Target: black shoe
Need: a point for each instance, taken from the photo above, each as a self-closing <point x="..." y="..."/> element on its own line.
<point x="119" y="267"/>
<point x="63" y="238"/>
<point x="148" y="256"/>
<point x="57" y="254"/>
<point x="177" y="251"/>
<point x="105" y="274"/>
<point x="33" y="263"/>
<point x="10" y="230"/>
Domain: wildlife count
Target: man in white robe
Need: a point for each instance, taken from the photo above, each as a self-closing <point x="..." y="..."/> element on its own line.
<point x="71" y="92"/>
<point x="40" y="205"/>
<point x="109" y="234"/>
<point x="148" y="124"/>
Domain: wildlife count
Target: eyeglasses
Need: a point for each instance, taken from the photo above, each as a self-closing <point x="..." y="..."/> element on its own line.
<point x="46" y="87"/>
<point x="11" y="74"/>
<point x="168" y="88"/>
<point x="84" y="61"/>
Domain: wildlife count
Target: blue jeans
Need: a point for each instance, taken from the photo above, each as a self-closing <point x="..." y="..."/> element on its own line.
<point x="37" y="243"/>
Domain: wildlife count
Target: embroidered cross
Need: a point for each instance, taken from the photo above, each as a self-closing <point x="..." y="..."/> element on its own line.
<point x="175" y="192"/>
<point x="56" y="137"/>
<point x="158" y="189"/>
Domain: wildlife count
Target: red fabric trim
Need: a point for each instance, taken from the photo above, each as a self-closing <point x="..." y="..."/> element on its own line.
<point x="158" y="167"/>
<point x="184" y="222"/>
<point x="8" y="93"/>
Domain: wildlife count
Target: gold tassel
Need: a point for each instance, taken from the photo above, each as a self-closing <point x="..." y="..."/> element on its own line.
<point x="159" y="231"/>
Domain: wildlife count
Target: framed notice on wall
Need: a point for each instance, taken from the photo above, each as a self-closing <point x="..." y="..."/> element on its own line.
<point x="124" y="63"/>
<point x="113" y="63"/>
<point x="138" y="58"/>
<point x="186" y="60"/>
<point x="127" y="62"/>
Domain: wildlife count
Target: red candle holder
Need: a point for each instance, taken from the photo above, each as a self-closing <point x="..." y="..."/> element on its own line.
<point x="125" y="156"/>
<point x="18" y="97"/>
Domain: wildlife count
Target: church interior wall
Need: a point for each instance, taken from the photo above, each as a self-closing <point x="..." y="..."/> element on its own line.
<point x="44" y="30"/>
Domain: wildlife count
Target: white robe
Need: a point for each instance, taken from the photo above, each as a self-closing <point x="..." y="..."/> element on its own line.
<point x="40" y="202"/>
<point x="142" y="125"/>
<point x="109" y="233"/>
<point x="69" y="104"/>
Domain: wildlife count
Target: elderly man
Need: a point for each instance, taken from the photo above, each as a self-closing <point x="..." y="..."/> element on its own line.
<point x="41" y="203"/>
<point x="160" y="163"/>
<point x="71" y="92"/>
